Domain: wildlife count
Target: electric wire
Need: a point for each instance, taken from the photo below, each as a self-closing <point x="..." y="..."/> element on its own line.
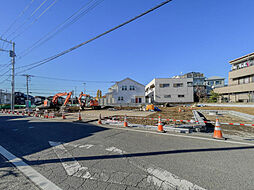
<point x="27" y="19"/>
<point x="69" y="21"/>
<point x="16" y="19"/>
<point x="35" y="20"/>
<point x="39" y="63"/>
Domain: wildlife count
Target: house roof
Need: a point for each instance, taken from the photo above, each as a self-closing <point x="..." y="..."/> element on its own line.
<point x="127" y="79"/>
<point x="215" y="78"/>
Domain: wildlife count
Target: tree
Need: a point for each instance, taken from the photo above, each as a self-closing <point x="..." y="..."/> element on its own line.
<point x="214" y="97"/>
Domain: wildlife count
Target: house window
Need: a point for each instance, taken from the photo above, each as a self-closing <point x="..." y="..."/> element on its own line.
<point x="180" y="96"/>
<point x="120" y="98"/>
<point x="165" y="85"/>
<point x="124" y="88"/>
<point x="189" y="84"/>
<point x="176" y="85"/>
<point x="132" y="87"/>
<point x="167" y="96"/>
<point x="218" y="82"/>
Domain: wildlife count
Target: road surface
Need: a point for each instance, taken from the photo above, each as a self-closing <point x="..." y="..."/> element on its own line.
<point x="44" y="154"/>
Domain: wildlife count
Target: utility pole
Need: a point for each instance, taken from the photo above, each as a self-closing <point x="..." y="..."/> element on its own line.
<point x="12" y="55"/>
<point x="27" y="85"/>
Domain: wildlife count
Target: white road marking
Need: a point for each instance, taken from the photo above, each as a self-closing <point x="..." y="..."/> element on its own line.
<point x="160" y="177"/>
<point x="28" y="171"/>
<point x="116" y="150"/>
<point x="87" y="146"/>
<point x="72" y="167"/>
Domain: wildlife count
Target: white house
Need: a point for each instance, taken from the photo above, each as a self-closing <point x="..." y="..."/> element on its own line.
<point x="125" y="92"/>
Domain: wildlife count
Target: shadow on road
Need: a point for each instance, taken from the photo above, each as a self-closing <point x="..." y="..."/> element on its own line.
<point x="141" y="154"/>
<point x="26" y="136"/>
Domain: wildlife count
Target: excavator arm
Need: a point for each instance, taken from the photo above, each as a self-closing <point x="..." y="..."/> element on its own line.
<point x="67" y="98"/>
<point x="80" y="97"/>
<point x="56" y="96"/>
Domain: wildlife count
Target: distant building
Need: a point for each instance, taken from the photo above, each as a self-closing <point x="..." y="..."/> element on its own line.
<point x="240" y="81"/>
<point x="198" y="78"/>
<point x="169" y="90"/>
<point x="5" y="97"/>
<point x="20" y="98"/>
<point x="125" y="92"/>
<point x="214" y="82"/>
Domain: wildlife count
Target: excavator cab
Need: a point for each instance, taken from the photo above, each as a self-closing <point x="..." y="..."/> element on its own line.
<point x="88" y="102"/>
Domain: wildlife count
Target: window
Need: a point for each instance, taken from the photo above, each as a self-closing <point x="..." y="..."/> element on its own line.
<point x="165" y="85"/>
<point x="218" y="82"/>
<point x="124" y="88"/>
<point x="180" y="96"/>
<point x="120" y="98"/>
<point x="167" y="96"/>
<point x="176" y="85"/>
<point x="132" y="87"/>
<point x="189" y="84"/>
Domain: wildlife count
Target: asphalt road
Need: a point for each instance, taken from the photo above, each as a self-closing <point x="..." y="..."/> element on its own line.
<point x="86" y="156"/>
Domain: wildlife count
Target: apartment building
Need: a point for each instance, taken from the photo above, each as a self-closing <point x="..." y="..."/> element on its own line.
<point x="240" y="81"/>
<point x="125" y="92"/>
<point x="169" y="90"/>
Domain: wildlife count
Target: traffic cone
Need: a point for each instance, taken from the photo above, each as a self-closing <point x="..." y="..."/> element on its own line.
<point x="99" y="121"/>
<point x="217" y="130"/>
<point x="28" y="113"/>
<point x="125" y="124"/>
<point x="36" y="114"/>
<point x="179" y="110"/>
<point x="79" y="116"/>
<point x="23" y="113"/>
<point x="160" y="126"/>
<point x="17" y="112"/>
<point x="46" y="114"/>
<point x="63" y="116"/>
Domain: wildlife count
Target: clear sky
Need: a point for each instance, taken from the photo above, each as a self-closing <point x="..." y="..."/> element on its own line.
<point x="182" y="36"/>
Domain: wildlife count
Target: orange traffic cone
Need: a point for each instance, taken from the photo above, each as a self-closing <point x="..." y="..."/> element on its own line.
<point x="23" y="113"/>
<point x="99" y="121"/>
<point x="63" y="116"/>
<point x="179" y="110"/>
<point x="28" y="113"/>
<point x="17" y="112"/>
<point x="160" y="126"/>
<point x="79" y="116"/>
<point x="125" y="124"/>
<point x="217" y="130"/>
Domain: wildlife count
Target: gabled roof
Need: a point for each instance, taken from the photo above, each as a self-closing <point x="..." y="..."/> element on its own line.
<point x="125" y="80"/>
<point x="215" y="78"/>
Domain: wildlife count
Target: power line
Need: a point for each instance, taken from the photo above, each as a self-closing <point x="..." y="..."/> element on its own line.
<point x="39" y="63"/>
<point x="35" y="19"/>
<point x="29" y="18"/>
<point x="15" y="20"/>
<point x="62" y="79"/>
<point x="69" y="21"/>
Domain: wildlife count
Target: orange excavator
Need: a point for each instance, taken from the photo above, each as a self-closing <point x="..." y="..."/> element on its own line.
<point x="54" y="102"/>
<point x="89" y="102"/>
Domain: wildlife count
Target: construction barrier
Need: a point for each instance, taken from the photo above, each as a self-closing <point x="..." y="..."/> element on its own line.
<point x="125" y="124"/>
<point x="99" y="120"/>
<point x="63" y="115"/>
<point x="79" y="116"/>
<point x="160" y="126"/>
<point x="217" y="134"/>
<point x="179" y="120"/>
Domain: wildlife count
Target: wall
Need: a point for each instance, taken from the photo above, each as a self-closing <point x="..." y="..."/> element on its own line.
<point x="160" y="93"/>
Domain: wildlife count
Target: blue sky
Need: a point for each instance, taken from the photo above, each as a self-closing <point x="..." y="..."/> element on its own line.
<point x="182" y="36"/>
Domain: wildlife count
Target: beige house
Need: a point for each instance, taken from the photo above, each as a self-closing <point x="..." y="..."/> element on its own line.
<point x="240" y="81"/>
